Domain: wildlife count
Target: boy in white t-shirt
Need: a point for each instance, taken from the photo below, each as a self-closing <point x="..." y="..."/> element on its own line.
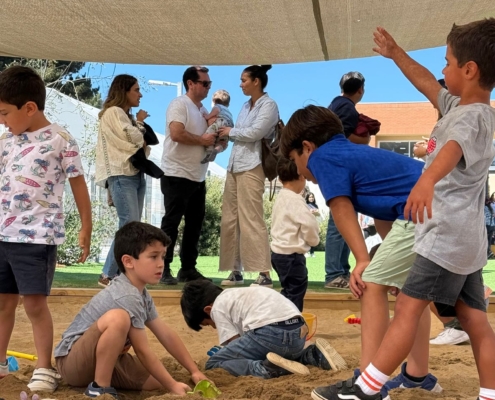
<point x="262" y="333"/>
<point x="294" y="231"/>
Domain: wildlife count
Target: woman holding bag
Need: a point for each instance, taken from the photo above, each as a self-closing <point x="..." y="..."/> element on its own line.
<point x="244" y="237"/>
<point x="120" y="136"/>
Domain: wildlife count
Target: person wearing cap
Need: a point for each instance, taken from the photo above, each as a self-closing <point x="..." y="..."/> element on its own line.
<point x="183" y="185"/>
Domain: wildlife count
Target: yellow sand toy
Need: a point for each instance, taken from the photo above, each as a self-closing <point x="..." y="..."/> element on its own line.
<point x="21" y="355"/>
<point x="312" y="324"/>
<point x="207" y="389"/>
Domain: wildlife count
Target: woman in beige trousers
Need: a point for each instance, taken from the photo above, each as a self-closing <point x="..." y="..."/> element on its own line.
<point x="244" y="237"/>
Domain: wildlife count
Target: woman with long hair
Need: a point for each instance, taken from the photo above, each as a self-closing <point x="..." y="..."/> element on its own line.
<point x="120" y="136"/>
<point x="243" y="234"/>
<point x="313" y="207"/>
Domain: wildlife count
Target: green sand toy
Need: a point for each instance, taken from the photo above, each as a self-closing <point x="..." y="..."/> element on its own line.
<point x="207" y="389"/>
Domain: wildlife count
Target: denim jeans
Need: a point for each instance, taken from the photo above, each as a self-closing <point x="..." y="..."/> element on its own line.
<point x="336" y="253"/>
<point x="128" y="196"/>
<point x="245" y="355"/>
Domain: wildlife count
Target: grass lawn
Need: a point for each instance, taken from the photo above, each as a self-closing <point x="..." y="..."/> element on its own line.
<point x="86" y="275"/>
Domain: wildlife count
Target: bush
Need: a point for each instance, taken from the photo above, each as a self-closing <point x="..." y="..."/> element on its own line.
<point x="209" y="241"/>
<point x="104" y="226"/>
<point x="323" y="234"/>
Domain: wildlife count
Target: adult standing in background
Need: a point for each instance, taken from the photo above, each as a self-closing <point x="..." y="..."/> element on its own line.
<point x="243" y="235"/>
<point x="120" y="136"/>
<point x="183" y="185"/>
<point x="337" y="267"/>
<point x="313" y="207"/>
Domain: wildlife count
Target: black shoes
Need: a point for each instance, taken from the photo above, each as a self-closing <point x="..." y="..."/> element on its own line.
<point x="190" y="275"/>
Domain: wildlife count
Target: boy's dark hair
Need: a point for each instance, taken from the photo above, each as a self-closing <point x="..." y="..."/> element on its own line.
<point x="312" y="123"/>
<point x="287" y="170"/>
<point x="221" y="97"/>
<point x="133" y="238"/>
<point x="19" y="84"/>
<point x="476" y="42"/>
<point x="196" y="295"/>
<point x="191" y="74"/>
<point x="351" y="82"/>
<point x="258" y="71"/>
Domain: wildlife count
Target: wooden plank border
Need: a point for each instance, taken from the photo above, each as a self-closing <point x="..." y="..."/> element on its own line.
<point x="316" y="300"/>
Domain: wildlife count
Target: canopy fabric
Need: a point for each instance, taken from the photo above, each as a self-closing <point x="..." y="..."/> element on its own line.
<point x="223" y="32"/>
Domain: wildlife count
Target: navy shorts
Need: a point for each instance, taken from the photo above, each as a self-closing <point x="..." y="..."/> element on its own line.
<point x="429" y="281"/>
<point x="27" y="268"/>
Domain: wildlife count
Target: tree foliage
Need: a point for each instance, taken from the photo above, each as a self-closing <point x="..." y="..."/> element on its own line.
<point x="64" y="76"/>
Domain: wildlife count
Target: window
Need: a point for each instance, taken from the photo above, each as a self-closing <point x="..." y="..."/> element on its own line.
<point x="405" y="148"/>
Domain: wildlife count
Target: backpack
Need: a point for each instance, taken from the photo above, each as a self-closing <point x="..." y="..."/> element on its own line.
<point x="270" y="154"/>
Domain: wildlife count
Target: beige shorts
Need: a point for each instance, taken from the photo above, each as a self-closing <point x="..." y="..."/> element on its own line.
<point x="78" y="367"/>
<point x="394" y="258"/>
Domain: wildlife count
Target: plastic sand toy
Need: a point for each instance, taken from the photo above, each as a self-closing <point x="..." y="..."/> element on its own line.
<point x="207" y="389"/>
<point x="353" y="320"/>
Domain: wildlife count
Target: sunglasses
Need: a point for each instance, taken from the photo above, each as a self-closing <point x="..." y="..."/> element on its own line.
<point x="206" y="84"/>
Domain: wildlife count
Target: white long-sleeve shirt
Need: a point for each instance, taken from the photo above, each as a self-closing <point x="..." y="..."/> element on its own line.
<point x="118" y="140"/>
<point x="251" y="126"/>
<point x="294" y="228"/>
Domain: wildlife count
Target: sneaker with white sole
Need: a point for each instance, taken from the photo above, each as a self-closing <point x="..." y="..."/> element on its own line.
<point x="263" y="280"/>
<point x="430" y="383"/>
<point x="343" y="390"/>
<point x="4" y="369"/>
<point x="44" y="380"/>
<point x="337" y="363"/>
<point x="288" y="365"/>
<point x="235" y="278"/>
<point x="92" y="391"/>
<point x="338" y="283"/>
<point x="450" y="336"/>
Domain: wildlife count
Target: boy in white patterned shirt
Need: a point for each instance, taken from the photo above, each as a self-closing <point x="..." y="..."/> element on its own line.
<point x="35" y="159"/>
<point x="294" y="231"/>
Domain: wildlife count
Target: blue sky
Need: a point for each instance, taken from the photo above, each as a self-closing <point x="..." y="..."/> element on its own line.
<point x="292" y="86"/>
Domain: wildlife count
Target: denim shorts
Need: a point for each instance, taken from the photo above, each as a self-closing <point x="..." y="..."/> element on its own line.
<point x="27" y="268"/>
<point x="429" y="281"/>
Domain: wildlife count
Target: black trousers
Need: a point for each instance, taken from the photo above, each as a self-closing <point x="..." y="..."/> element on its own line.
<point x="183" y="198"/>
<point x="293" y="275"/>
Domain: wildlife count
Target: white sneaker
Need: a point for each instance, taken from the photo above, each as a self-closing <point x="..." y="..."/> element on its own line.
<point x="44" y="380"/>
<point x="235" y="278"/>
<point x="288" y="365"/>
<point x="450" y="336"/>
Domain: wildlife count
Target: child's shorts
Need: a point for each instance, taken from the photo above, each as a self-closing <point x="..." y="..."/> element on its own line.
<point x="78" y="367"/>
<point x="394" y="258"/>
<point x="27" y="268"/>
<point x="429" y="281"/>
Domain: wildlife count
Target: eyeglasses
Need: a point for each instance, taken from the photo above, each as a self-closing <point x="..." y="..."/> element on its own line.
<point x="206" y="84"/>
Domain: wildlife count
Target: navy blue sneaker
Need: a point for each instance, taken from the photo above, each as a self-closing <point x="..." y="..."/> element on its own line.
<point x="343" y="390"/>
<point x="430" y="383"/>
<point x="92" y="391"/>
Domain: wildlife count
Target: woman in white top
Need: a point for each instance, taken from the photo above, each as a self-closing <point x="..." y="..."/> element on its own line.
<point x="119" y="138"/>
<point x="243" y="236"/>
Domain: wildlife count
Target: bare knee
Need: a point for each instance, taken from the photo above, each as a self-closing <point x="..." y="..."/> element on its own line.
<point x="35" y="305"/>
<point x="408" y="308"/>
<point x="8" y="303"/>
<point x="115" y="320"/>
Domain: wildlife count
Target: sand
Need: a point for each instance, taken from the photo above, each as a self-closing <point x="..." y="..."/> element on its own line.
<point x="453" y="365"/>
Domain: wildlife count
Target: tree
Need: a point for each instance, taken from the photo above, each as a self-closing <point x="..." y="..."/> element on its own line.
<point x="64" y="76"/>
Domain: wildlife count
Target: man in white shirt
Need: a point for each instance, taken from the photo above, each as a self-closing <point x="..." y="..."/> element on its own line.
<point x="183" y="185"/>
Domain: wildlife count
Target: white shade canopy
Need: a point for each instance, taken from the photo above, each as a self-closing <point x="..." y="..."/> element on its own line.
<point x="222" y="32"/>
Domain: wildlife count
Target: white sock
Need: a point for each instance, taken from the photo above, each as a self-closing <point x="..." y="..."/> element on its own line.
<point x="371" y="380"/>
<point x="487" y="394"/>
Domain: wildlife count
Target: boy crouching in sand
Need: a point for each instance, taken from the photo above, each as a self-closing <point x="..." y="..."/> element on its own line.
<point x="262" y="332"/>
<point x="93" y="350"/>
